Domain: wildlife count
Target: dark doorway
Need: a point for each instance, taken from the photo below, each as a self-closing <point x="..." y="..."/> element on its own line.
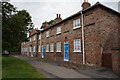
<point x="107" y="61"/>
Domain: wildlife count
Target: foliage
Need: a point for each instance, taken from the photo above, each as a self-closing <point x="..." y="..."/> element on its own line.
<point x="15" y="26"/>
<point x="51" y="22"/>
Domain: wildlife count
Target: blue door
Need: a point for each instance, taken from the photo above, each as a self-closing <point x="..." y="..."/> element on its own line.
<point x="42" y="51"/>
<point x="66" y="51"/>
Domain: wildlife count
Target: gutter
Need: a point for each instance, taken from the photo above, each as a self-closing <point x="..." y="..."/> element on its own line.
<point x="83" y="41"/>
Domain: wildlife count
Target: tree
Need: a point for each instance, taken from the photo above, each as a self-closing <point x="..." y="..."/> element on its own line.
<point x="15" y="24"/>
<point x="51" y="22"/>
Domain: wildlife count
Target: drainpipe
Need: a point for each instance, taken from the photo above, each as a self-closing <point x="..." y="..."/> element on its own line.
<point x="83" y="41"/>
<point x="41" y="45"/>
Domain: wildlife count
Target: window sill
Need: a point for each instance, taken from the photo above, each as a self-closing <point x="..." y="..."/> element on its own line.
<point x="77" y="27"/>
<point x="77" y="51"/>
<point x="58" y="51"/>
<point x="58" y="33"/>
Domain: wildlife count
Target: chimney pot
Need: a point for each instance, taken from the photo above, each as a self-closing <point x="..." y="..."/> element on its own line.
<point x="57" y="15"/>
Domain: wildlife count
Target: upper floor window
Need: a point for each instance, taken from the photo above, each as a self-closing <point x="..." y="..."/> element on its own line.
<point x="47" y="48"/>
<point x="34" y="37"/>
<point x="47" y="34"/>
<point x="39" y="36"/>
<point x="58" y="47"/>
<point x="51" y="47"/>
<point x="77" y="45"/>
<point x="76" y="23"/>
<point x="58" y="30"/>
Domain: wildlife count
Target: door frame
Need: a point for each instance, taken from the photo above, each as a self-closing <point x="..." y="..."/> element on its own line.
<point x="66" y="42"/>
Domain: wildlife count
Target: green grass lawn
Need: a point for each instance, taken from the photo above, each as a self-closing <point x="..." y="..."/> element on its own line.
<point x="16" y="68"/>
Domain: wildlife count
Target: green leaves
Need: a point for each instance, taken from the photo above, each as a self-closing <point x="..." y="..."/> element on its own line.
<point x="16" y="25"/>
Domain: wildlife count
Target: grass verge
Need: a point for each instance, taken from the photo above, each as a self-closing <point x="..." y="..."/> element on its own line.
<point x="16" y="68"/>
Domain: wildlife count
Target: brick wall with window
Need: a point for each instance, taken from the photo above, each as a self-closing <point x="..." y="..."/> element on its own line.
<point x="99" y="33"/>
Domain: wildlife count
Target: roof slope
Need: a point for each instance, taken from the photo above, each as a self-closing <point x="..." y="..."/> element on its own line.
<point x="78" y="13"/>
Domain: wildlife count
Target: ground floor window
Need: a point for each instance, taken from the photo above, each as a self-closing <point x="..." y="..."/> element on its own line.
<point x="47" y="48"/>
<point x="34" y="49"/>
<point x="51" y="47"/>
<point x="77" y="45"/>
<point x="58" y="47"/>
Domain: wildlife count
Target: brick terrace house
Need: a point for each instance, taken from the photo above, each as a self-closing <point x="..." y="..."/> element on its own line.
<point x="30" y="48"/>
<point x="90" y="36"/>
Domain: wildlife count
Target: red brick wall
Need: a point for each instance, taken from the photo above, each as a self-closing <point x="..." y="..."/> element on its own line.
<point x="101" y="35"/>
<point x="67" y="34"/>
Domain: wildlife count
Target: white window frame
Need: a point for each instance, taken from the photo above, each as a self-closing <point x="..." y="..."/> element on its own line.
<point x="47" y="34"/>
<point x="39" y="48"/>
<point x="30" y="40"/>
<point x="40" y="36"/>
<point x="34" y="49"/>
<point x="58" y="31"/>
<point x="77" y="45"/>
<point x="51" y="47"/>
<point x="76" y="23"/>
<point x="47" y="48"/>
<point x="58" y="47"/>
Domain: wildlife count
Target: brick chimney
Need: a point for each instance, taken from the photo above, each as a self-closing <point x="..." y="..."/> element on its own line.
<point x="85" y="4"/>
<point x="58" y="18"/>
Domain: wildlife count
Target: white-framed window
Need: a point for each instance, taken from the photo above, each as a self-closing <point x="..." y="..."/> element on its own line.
<point x="47" y="34"/>
<point x="34" y="49"/>
<point x="30" y="39"/>
<point x="52" y="47"/>
<point x="47" y="48"/>
<point x="76" y="23"/>
<point x="39" y="48"/>
<point x="58" y="30"/>
<point x="58" y="47"/>
<point x="77" y="45"/>
<point x="39" y="36"/>
<point x="34" y="37"/>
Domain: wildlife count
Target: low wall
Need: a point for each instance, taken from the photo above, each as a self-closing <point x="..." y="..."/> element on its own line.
<point x="15" y="53"/>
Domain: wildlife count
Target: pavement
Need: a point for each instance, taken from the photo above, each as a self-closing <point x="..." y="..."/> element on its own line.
<point x="99" y="72"/>
<point x="50" y="70"/>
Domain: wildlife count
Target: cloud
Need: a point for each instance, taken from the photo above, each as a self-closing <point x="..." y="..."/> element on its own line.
<point x="42" y="10"/>
<point x="63" y="0"/>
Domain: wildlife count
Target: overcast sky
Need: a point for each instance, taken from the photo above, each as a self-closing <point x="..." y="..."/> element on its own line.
<point x="46" y="10"/>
